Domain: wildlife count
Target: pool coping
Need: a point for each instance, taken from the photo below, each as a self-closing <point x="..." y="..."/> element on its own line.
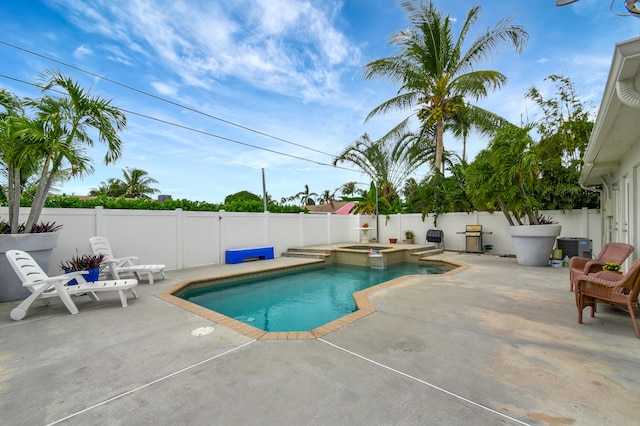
<point x="364" y="306"/>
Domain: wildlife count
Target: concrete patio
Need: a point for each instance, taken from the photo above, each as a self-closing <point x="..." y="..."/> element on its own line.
<point x="497" y="343"/>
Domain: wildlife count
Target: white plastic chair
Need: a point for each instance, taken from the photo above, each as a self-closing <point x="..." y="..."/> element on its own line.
<point x="44" y="287"/>
<point x="119" y="265"/>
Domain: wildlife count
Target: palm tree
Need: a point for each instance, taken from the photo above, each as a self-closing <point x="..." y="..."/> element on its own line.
<point x="434" y="72"/>
<point x="13" y="128"/>
<point x="113" y="187"/>
<point x="327" y="197"/>
<point x="61" y="133"/>
<point x="138" y="183"/>
<point x="470" y="118"/>
<point x="21" y="155"/>
<point x="385" y="163"/>
<point x="506" y="175"/>
<point x="348" y="189"/>
<point x="305" y="197"/>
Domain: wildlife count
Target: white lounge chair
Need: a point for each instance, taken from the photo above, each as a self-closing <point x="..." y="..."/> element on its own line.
<point x="44" y="287"/>
<point x="119" y="265"/>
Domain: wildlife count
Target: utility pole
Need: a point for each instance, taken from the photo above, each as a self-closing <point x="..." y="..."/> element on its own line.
<point x="264" y="191"/>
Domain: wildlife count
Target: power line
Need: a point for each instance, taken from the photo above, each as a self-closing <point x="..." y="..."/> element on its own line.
<point x="203" y="132"/>
<point x="160" y="98"/>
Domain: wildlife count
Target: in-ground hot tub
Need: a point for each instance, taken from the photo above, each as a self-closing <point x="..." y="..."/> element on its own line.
<point x="366" y="248"/>
<point x="359" y="254"/>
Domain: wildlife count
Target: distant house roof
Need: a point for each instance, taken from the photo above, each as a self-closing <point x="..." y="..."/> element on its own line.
<point x="339" y="207"/>
<point x="346" y="209"/>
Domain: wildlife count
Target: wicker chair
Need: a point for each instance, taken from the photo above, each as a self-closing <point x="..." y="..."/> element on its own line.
<point x="609" y="287"/>
<point x="611" y="252"/>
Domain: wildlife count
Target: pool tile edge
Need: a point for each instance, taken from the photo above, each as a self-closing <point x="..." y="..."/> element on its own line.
<point x="363" y="304"/>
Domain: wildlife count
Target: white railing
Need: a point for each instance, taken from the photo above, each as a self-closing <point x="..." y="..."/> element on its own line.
<point x="182" y="239"/>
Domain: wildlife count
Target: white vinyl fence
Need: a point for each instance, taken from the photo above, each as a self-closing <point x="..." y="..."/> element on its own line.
<point x="181" y="239"/>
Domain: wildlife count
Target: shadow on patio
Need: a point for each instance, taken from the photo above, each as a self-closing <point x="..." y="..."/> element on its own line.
<point x="497" y="343"/>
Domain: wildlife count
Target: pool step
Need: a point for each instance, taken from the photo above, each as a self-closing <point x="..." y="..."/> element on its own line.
<point x="307" y="253"/>
<point x="423" y="252"/>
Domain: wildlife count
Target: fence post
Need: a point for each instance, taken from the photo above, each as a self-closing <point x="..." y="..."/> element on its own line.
<point x="329" y="228"/>
<point x="267" y="229"/>
<point x="301" y="229"/>
<point x="179" y="237"/>
<point x="222" y="237"/>
<point x="99" y="218"/>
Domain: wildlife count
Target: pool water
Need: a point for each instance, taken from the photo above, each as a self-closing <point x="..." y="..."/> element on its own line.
<point x="301" y="301"/>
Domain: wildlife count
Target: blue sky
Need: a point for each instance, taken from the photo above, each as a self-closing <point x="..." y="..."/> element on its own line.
<point x="285" y="68"/>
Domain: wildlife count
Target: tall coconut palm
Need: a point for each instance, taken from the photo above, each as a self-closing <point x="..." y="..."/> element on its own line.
<point x="434" y="72"/>
<point x="63" y="134"/>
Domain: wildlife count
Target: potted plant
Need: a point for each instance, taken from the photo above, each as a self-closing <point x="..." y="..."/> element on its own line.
<point x="86" y="262"/>
<point x="409" y="235"/>
<point x="39" y="243"/>
<point x="393" y="240"/>
<point x="505" y="177"/>
<point x="365" y="225"/>
<point x="611" y="266"/>
<point x="46" y="138"/>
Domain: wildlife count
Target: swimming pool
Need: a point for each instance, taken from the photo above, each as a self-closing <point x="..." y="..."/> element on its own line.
<point x="300" y="301"/>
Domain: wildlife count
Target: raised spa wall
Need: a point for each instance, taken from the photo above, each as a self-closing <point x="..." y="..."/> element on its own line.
<point x="359" y="255"/>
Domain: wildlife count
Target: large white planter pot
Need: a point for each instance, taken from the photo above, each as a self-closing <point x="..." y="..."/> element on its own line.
<point x="533" y="243"/>
<point x="39" y="246"/>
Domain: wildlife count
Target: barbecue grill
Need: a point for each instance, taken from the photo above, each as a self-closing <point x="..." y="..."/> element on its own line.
<point x="473" y="234"/>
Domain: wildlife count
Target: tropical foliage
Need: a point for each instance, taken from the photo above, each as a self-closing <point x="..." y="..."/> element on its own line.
<point x="564" y="128"/>
<point x="306" y="197"/>
<point x="438" y="194"/>
<point x="50" y="134"/>
<point x="386" y="163"/>
<point x="505" y="176"/>
<point x="468" y="119"/>
<point x="327" y="197"/>
<point x="369" y="204"/>
<point x="38" y="228"/>
<point x="83" y="262"/>
<point x="61" y="201"/>
<point x="242" y="196"/>
<point x="435" y="75"/>
<point x="136" y="184"/>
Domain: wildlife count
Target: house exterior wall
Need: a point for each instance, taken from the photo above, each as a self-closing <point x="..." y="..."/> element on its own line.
<point x="621" y="201"/>
<point x="612" y="157"/>
<point x="182" y="239"/>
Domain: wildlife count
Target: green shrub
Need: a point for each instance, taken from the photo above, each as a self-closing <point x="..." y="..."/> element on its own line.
<point x="237" y="205"/>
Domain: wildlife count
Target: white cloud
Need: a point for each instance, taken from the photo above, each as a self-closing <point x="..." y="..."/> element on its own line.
<point x="164" y="88"/>
<point x="82" y="51"/>
<point x="286" y="46"/>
